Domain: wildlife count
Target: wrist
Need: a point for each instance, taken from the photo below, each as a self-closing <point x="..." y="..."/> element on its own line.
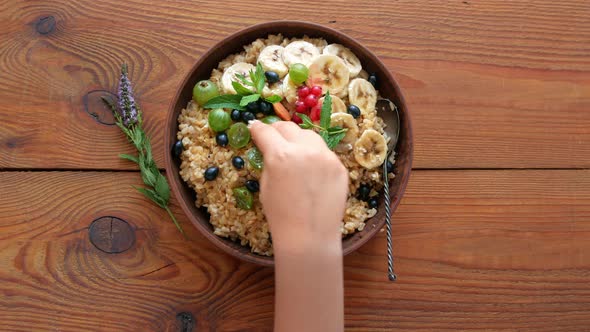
<point x="310" y="245"/>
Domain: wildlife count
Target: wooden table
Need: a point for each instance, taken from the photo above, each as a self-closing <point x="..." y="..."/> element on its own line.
<point x="493" y="232"/>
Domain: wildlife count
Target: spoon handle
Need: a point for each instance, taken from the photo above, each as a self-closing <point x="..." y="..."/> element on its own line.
<point x="391" y="275"/>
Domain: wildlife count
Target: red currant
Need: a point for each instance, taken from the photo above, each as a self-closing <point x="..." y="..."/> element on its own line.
<point x="296" y="119"/>
<point x="311" y="100"/>
<point x="315" y="114"/>
<point x="303" y="92"/>
<point x="316" y="90"/>
<point x="300" y="106"/>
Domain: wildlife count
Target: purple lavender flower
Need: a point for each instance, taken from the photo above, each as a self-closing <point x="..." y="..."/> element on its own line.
<point x="127" y="107"/>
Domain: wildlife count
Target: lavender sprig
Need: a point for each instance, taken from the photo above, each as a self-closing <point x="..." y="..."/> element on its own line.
<point x="127" y="107"/>
<point x="128" y="118"/>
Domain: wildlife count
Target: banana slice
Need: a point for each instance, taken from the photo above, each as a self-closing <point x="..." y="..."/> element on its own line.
<point x="352" y="62"/>
<point x="229" y="75"/>
<point x="371" y="149"/>
<point x="345" y="120"/>
<point x="271" y="59"/>
<point x="342" y="94"/>
<point x="299" y="52"/>
<point x="273" y="89"/>
<point x="289" y="90"/>
<point x="362" y="94"/>
<point x="364" y="74"/>
<point x="329" y="72"/>
<point x="338" y="105"/>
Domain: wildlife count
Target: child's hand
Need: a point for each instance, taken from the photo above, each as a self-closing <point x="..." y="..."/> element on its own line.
<point x="303" y="186"/>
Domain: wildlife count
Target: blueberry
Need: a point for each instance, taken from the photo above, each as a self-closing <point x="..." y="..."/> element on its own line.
<point x="211" y="173"/>
<point x="221" y="139"/>
<point x="354" y="110"/>
<point x="373" y="203"/>
<point x="389" y="167"/>
<point x="248" y="116"/>
<point x="236" y="115"/>
<point x="238" y="162"/>
<point x="373" y="79"/>
<point x="265" y="107"/>
<point x="271" y="76"/>
<point x="252" y="107"/>
<point x="252" y="186"/>
<point x="177" y="149"/>
<point x="363" y="192"/>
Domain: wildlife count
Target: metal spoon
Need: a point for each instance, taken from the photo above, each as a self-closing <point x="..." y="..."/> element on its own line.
<point x="388" y="112"/>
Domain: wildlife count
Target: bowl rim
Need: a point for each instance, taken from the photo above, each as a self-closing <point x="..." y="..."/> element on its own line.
<point x="221" y="243"/>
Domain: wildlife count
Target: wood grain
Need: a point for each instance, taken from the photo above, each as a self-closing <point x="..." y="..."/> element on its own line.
<point x="476" y="250"/>
<point x="491" y="84"/>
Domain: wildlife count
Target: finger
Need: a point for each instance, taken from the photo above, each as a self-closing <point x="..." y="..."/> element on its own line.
<point x="310" y="137"/>
<point x="288" y="129"/>
<point x="264" y="136"/>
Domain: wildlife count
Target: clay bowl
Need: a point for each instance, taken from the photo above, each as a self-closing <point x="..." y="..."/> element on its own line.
<point x="388" y="88"/>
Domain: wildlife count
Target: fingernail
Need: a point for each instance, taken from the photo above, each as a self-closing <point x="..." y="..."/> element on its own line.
<point x="251" y="122"/>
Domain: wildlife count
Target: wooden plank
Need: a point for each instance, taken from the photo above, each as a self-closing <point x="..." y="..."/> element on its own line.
<point x="491" y="84"/>
<point x="476" y="250"/>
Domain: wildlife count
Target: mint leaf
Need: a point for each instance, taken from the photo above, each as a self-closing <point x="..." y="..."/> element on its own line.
<point x="252" y="75"/>
<point x="333" y="140"/>
<point x="225" y="101"/>
<point x="273" y="99"/>
<point x="259" y="78"/>
<point x="248" y="99"/>
<point x="147" y="176"/>
<point x="336" y="130"/>
<point x="129" y="157"/>
<point x="240" y="89"/>
<point x="162" y="189"/>
<point x="153" y="196"/>
<point x="244" y="80"/>
<point x="326" y="111"/>
<point x="307" y="123"/>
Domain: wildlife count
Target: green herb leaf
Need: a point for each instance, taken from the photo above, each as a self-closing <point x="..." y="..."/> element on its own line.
<point x="147" y="176"/>
<point x="333" y="140"/>
<point x="244" y="199"/>
<point x="307" y="123"/>
<point x="153" y="196"/>
<point x="253" y="79"/>
<point x="248" y="99"/>
<point x="244" y="80"/>
<point x="255" y="158"/>
<point x="240" y="89"/>
<point x="162" y="188"/>
<point x="136" y="139"/>
<point x="147" y="146"/>
<point x="260" y="78"/>
<point x="326" y="111"/>
<point x="273" y="99"/>
<point x="336" y="130"/>
<point x="225" y="101"/>
<point x="129" y="157"/>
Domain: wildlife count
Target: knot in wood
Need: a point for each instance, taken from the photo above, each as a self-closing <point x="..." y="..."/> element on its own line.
<point x="45" y="25"/>
<point x="186" y="321"/>
<point x="96" y="108"/>
<point x="111" y="234"/>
